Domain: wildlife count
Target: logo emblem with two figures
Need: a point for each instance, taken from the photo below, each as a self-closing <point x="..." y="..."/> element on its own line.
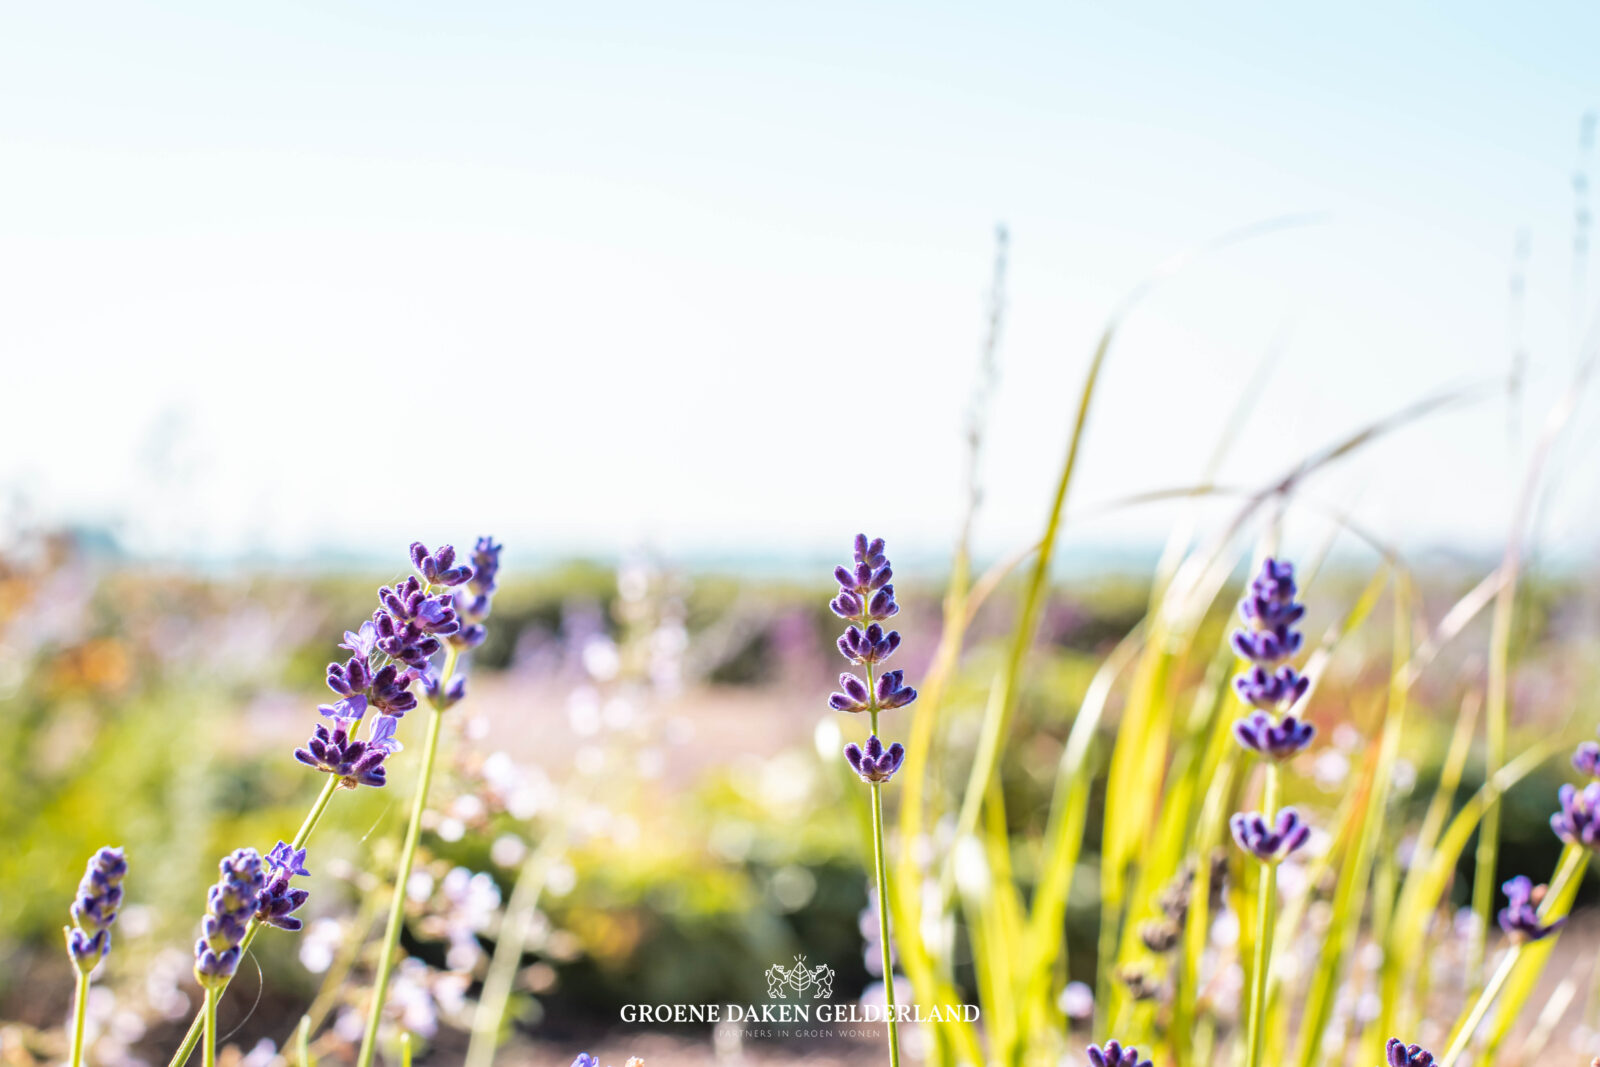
<point x="799" y="982"/>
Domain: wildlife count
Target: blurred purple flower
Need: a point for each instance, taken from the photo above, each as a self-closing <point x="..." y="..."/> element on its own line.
<point x="1278" y="740"/>
<point x="1269" y="843"/>
<point x="1587" y="759"/>
<point x="1112" y="1054"/>
<point x="1520" y="917"/>
<point x="94" y="909"/>
<point x="1578" y="821"/>
<point x="447" y="695"/>
<point x="1269" y="611"/>
<point x="1399" y="1054"/>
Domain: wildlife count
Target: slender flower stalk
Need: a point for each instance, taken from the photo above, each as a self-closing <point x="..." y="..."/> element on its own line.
<point x="1271" y="686"/>
<point x="1526" y="918"/>
<point x="389" y="654"/>
<point x="417" y="613"/>
<point x="866" y="601"/>
<point x="93" y="911"/>
<point x="231" y="908"/>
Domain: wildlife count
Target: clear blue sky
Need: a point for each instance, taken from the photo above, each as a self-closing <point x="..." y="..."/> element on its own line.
<point x="293" y="277"/>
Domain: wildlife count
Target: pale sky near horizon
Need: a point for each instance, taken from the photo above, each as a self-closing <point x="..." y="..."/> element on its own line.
<point x="302" y="277"/>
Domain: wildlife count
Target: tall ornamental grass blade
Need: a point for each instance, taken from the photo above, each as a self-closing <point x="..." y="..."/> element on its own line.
<point x="1351" y="894"/>
<point x="1498" y="713"/>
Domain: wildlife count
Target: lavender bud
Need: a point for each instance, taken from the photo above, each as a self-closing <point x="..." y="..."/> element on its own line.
<point x="278" y="900"/>
<point x="230" y="905"/>
<point x="1399" y="1054"/>
<point x="438" y="567"/>
<point x="353" y="762"/>
<point x="1587" y="759"/>
<point x="855" y="696"/>
<point x="94" y="909"/>
<point x="1269" y="843"/>
<point x="1275" y="740"/>
<point x="447" y="695"/>
<point x="1520" y="917"/>
<point x="1578" y="821"/>
<point x="1269" y="612"/>
<point x="874" y="763"/>
<point x="1271" y="690"/>
<point x="1112" y="1054"/>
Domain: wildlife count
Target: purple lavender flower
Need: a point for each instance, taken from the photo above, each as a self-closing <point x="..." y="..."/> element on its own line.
<point x="1520" y="917"/>
<point x="94" y="909"/>
<point x="1269" y="612"/>
<point x="1578" y="821"/>
<point x="444" y="695"/>
<point x="1587" y="759"/>
<point x="439" y="567"/>
<point x="1112" y="1054"/>
<point x="472" y="603"/>
<point x="1399" y="1054"/>
<point x="585" y="1060"/>
<point x="875" y="763"/>
<point x="1269" y="843"/>
<point x="1271" y="690"/>
<point x="279" y="900"/>
<point x="353" y="762"/>
<point x="230" y="905"/>
<point x="1277" y="740"/>
<point x="865" y="600"/>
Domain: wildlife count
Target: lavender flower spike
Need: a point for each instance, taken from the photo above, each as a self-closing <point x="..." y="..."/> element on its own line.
<point x="278" y="899"/>
<point x="866" y="601"/>
<point x="94" y="909"/>
<point x="1275" y="740"/>
<point x="875" y="763"/>
<point x="473" y="603"/>
<point x="1269" y="843"/>
<point x="230" y="906"/>
<point x="1399" y="1054"/>
<point x="1520" y="917"/>
<point x="1578" y="821"/>
<point x="1587" y="759"/>
<point x="1112" y="1054"/>
<point x="1269" y="611"/>
<point x="353" y="762"/>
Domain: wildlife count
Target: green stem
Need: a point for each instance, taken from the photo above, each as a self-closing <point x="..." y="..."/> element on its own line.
<point x="408" y="852"/>
<point x="80" y="1015"/>
<point x="1572" y="864"/>
<point x="314" y="816"/>
<point x="1266" y="909"/>
<point x="302" y="1043"/>
<point x="1480" y="1008"/>
<point x="209" y="1048"/>
<point x="883" y="920"/>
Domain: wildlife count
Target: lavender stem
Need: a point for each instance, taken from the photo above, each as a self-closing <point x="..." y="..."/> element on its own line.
<point x="397" y="904"/>
<point x="80" y="1014"/>
<point x="1266" y="908"/>
<point x="314" y="816"/>
<point x="209" y="1012"/>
